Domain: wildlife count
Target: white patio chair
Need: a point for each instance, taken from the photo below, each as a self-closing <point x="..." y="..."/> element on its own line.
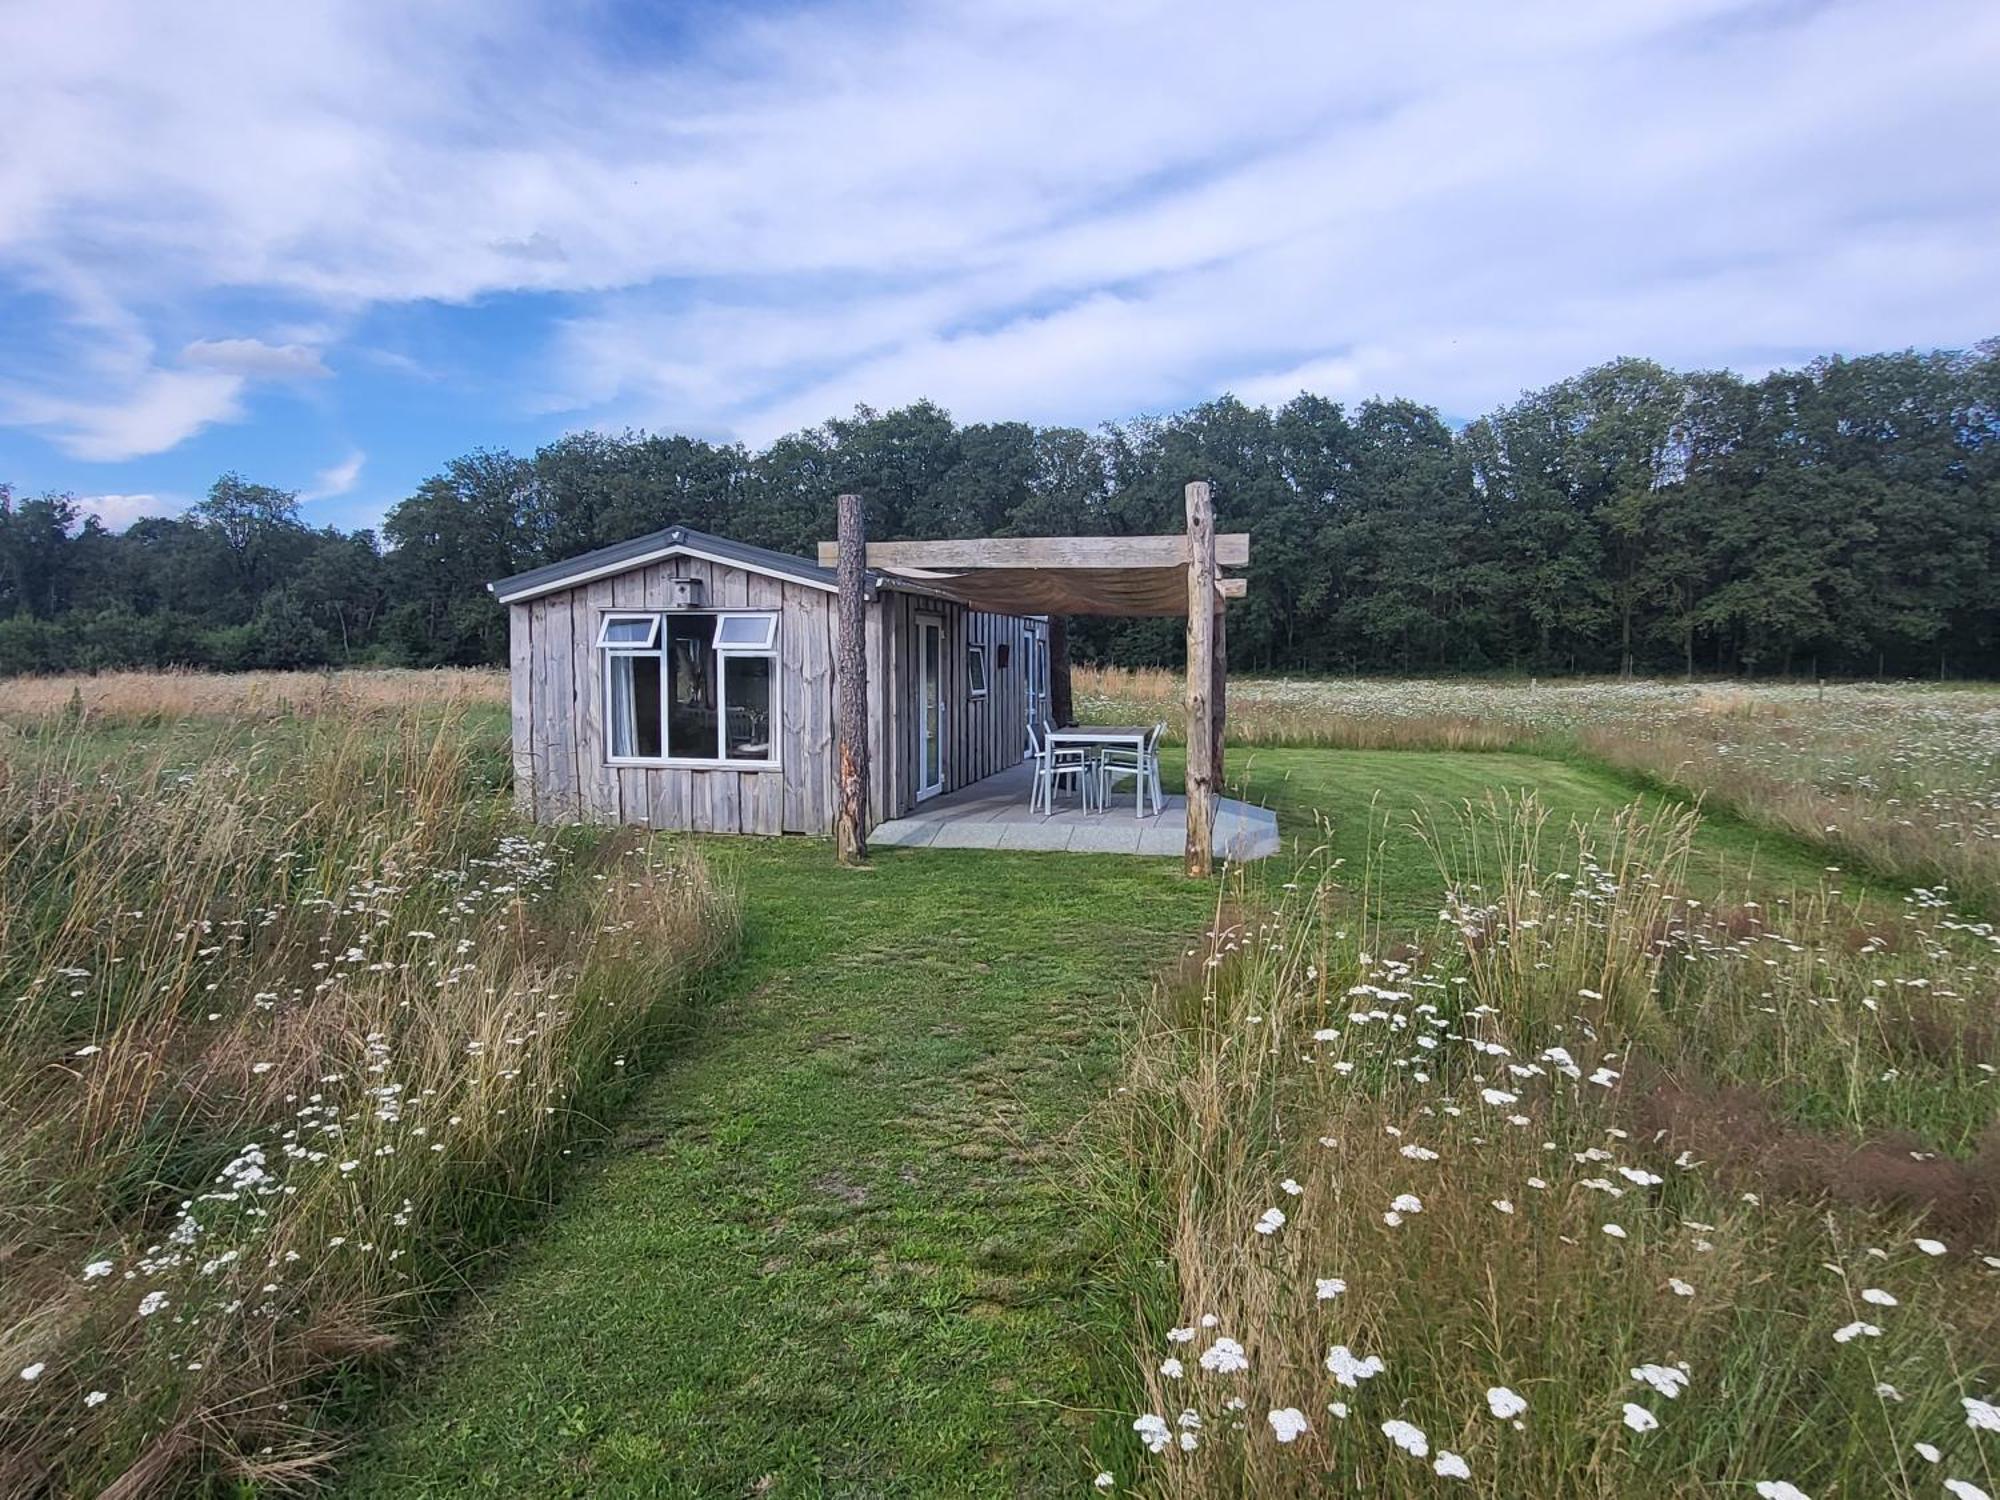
<point x="1115" y="763"/>
<point x="1073" y="765"/>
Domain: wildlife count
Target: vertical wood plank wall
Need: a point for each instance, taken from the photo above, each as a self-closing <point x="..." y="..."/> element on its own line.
<point x="560" y="719"/>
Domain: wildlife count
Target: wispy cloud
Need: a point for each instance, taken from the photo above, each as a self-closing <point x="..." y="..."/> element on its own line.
<point x="117" y="512"/>
<point x="1023" y="209"/>
<point x="337" y="479"/>
<point x="254" y="359"/>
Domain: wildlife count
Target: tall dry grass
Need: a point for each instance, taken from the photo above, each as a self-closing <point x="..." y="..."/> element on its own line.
<point x="291" y="1034"/>
<point x="106" y="698"/>
<point x="1901" y="780"/>
<point x="1593" y="1190"/>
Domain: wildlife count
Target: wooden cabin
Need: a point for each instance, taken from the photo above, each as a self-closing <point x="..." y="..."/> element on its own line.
<point x="683" y="680"/>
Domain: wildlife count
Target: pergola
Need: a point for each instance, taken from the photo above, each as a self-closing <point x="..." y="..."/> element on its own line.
<point x="1175" y="574"/>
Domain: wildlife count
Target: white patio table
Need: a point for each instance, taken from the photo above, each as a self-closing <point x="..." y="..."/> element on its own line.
<point x="1122" y="735"/>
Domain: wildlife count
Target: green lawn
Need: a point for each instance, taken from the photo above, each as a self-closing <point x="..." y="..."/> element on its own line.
<point x="842" y="1244"/>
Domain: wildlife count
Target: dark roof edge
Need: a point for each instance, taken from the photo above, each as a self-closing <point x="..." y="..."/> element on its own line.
<point x="623" y="556"/>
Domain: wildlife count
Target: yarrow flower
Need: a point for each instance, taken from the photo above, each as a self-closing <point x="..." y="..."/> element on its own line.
<point x="151" y="1303"/>
<point x="1224" y="1357"/>
<point x="1272" y="1222"/>
<point x="1328" y="1288"/>
<point x="1668" y="1380"/>
<point x="33" y="1371"/>
<point x="1638" y="1418"/>
<point x="1287" y="1422"/>
<point x="1350" y="1369"/>
<point x="1154" y="1432"/>
<point x="1410" y="1439"/>
<point x="1981" y="1416"/>
<point x="1450" y="1466"/>
<point x="1780" y="1489"/>
<point x="1877" y="1297"/>
<point x="1854" y="1331"/>
<point x="1505" y="1403"/>
<point x="1965" y="1489"/>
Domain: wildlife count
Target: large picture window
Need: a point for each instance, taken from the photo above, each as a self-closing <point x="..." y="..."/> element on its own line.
<point x="691" y="686"/>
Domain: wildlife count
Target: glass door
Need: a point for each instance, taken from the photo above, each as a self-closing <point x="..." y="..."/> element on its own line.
<point x="930" y="708"/>
<point x="1038" y="687"/>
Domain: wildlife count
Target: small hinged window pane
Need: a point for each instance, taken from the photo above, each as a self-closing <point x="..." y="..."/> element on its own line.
<point x="745" y="632"/>
<point x="639" y="632"/>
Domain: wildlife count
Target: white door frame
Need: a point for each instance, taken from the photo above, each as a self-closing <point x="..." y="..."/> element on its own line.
<point x="929" y="684"/>
<point x="1038" y="687"/>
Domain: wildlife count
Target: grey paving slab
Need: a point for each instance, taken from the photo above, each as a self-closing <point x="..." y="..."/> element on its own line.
<point x="1107" y="838"/>
<point x="994" y="814"/>
<point x="968" y="836"/>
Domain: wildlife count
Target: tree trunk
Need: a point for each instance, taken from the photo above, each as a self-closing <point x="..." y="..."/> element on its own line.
<point x="1062" y="700"/>
<point x="850" y="818"/>
<point x="1200" y="680"/>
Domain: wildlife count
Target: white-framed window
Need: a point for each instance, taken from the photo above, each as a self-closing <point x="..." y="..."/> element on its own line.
<point x="638" y="632"/>
<point x="975" y="671"/>
<point x="697" y="687"/>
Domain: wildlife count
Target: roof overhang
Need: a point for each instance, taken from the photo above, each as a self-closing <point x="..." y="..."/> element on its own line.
<point x="661" y="546"/>
<point x="1121" y="575"/>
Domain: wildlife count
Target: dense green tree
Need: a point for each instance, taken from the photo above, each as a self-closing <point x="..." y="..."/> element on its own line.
<point x="1843" y="517"/>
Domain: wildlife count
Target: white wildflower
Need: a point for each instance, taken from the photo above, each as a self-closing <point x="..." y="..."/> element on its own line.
<point x="1329" y="1287"/>
<point x="1410" y="1439"/>
<point x="1224" y="1357"/>
<point x="1287" y="1422"/>
<point x="1272" y="1222"/>
<point x="1450" y="1466"/>
<point x="1350" y="1369"/>
<point x="1154" y="1432"/>
<point x="1875" y="1295"/>
<point x="1639" y="1419"/>
<point x="1854" y="1331"/>
<point x="1505" y="1403"/>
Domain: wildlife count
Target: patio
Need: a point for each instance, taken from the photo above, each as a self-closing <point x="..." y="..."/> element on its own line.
<point x="994" y="814"/>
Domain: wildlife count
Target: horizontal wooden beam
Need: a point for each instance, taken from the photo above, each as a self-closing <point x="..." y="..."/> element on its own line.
<point x="1231" y="551"/>
<point x="1232" y="588"/>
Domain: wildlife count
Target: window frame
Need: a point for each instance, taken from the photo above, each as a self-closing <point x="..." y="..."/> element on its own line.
<point x="979" y="683"/>
<point x="718" y="761"/>
<point x="612" y="617"/>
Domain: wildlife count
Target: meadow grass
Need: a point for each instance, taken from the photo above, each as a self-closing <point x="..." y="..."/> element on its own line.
<point x="299" y="1021"/>
<point x="917" y="1205"/>
<point x="1902" y="779"/>
<point x="1590" y="1186"/>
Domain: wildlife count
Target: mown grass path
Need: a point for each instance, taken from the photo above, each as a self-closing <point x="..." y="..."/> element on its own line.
<point x="841" y="1244"/>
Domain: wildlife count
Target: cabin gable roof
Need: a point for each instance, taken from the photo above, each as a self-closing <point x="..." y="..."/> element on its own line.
<point x="657" y="546"/>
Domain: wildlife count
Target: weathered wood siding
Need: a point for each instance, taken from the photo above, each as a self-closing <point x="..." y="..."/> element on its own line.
<point x="562" y="768"/>
<point x="981" y="735"/>
<point x="560" y="749"/>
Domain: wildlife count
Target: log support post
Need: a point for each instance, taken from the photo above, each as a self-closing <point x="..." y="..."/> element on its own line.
<point x="1219" y="702"/>
<point x="850" y="666"/>
<point x="1062" y="702"/>
<point x="1201" y="677"/>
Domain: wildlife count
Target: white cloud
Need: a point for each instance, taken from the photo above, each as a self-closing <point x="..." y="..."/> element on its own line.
<point x="1021" y="209"/>
<point x="119" y="511"/>
<point x="337" y="479"/>
<point x="148" y="413"/>
<point x="256" y="360"/>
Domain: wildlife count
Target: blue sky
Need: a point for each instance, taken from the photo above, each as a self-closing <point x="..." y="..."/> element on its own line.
<point x="331" y="245"/>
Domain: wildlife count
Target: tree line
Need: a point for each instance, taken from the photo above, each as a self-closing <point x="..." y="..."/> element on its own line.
<point x="1842" y="518"/>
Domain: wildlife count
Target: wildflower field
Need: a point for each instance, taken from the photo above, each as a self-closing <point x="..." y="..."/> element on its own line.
<point x="298" y="1021"/>
<point x="1902" y="778"/>
<point x="1576" y="1107"/>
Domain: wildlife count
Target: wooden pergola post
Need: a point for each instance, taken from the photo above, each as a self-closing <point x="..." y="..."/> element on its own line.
<point x="1202" y="670"/>
<point x="1062" y="702"/>
<point x="850" y="665"/>
<point x="1219" y="707"/>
